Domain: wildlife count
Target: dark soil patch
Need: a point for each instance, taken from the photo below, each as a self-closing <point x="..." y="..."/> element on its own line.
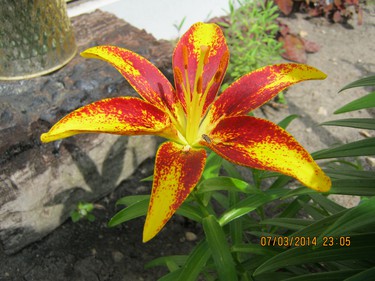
<point x="91" y="251"/>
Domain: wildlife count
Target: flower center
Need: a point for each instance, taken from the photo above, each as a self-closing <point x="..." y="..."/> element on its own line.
<point x="194" y="93"/>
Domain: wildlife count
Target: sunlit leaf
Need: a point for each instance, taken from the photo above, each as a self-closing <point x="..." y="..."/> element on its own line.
<point x="219" y="247"/>
<point x="359" y="217"/>
<point x="359" y="249"/>
<point x="195" y="263"/>
<point x="365" y="147"/>
<point x="360" y="123"/>
<point x="367" y="101"/>
<point x="135" y="210"/>
<point x="367" y="81"/>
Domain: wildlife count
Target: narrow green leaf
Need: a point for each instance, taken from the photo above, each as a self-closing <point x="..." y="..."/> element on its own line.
<point x="225" y="183"/>
<point x="195" y="263"/>
<point x="359" y="187"/>
<point x="318" y="227"/>
<point x="326" y="203"/>
<point x="360" y="123"/>
<point x="135" y="210"/>
<point x="337" y="275"/>
<point x="149" y="178"/>
<point x="287" y="120"/>
<point x="219" y="247"/>
<point x="289" y="223"/>
<point x="365" y="147"/>
<point x="129" y="200"/>
<point x="363" y="276"/>
<point x="349" y="174"/>
<point x="179" y="260"/>
<point x="189" y="211"/>
<point x="367" y="81"/>
<point x="367" y="101"/>
<point x="358" y="218"/>
<point x="245" y="206"/>
<point x="213" y="165"/>
<point x="255" y="249"/>
<point x="358" y="250"/>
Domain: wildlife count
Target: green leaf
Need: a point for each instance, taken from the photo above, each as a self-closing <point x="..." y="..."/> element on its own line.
<point x="130" y="200"/>
<point x="315" y="229"/>
<point x="225" y="183"/>
<point x="337" y="275"/>
<point x="358" y="218"/>
<point x="365" y="147"/>
<point x="360" y="187"/>
<point x="179" y="260"/>
<point x="190" y="212"/>
<point x="149" y="178"/>
<point x="363" y="276"/>
<point x="350" y="174"/>
<point x="75" y="216"/>
<point x="195" y="263"/>
<point x="255" y="249"/>
<point x="135" y="210"/>
<point x="367" y="101"/>
<point x="360" y="249"/>
<point x="245" y="206"/>
<point x="213" y="165"/>
<point x="326" y="203"/>
<point x="360" y="123"/>
<point x="286" y="121"/>
<point x="289" y="223"/>
<point x="367" y="81"/>
<point x="220" y="251"/>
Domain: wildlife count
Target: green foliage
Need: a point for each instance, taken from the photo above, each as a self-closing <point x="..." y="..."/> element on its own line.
<point x="83" y="211"/>
<point x="251" y="36"/>
<point x="270" y="232"/>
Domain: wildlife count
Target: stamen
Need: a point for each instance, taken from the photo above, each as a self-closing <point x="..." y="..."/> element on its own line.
<point x="221" y="68"/>
<point x="206" y="52"/>
<point x="185" y="56"/>
<point x="178" y="75"/>
<point x="217" y="76"/>
<point x="199" y="85"/>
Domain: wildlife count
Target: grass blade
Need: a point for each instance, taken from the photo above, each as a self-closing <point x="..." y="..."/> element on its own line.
<point x="220" y="250"/>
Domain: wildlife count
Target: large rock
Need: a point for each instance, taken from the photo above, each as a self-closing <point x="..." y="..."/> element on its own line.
<point x="41" y="183"/>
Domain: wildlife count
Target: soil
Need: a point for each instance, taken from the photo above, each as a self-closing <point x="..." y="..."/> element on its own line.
<point x="92" y="251"/>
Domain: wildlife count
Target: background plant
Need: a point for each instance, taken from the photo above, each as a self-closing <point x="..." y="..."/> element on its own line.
<point x="336" y="11"/>
<point x="251" y="31"/>
<point x="249" y="225"/>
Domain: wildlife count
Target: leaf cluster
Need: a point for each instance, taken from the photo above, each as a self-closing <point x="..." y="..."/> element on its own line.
<point x="251" y="36"/>
<point x="237" y="215"/>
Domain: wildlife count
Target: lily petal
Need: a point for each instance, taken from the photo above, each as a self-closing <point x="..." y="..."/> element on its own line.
<point x="203" y="45"/>
<point x="260" y="144"/>
<point x="177" y="171"/>
<point x="120" y="115"/>
<point x="256" y="88"/>
<point x="142" y="75"/>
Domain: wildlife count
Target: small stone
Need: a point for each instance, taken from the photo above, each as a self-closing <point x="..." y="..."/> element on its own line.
<point x="303" y="33"/>
<point x="117" y="256"/>
<point x="190" y="236"/>
<point x="370" y="161"/>
<point x="322" y="111"/>
<point x="365" y="133"/>
<point x="308" y="130"/>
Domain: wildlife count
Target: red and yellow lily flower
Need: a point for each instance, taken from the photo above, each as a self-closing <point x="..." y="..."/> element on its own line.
<point x="192" y="117"/>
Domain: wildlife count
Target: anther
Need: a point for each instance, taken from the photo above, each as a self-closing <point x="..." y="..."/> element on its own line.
<point x="199" y="85"/>
<point x="185" y="56"/>
<point x="206" y="51"/>
<point x="178" y="75"/>
<point x="222" y="65"/>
